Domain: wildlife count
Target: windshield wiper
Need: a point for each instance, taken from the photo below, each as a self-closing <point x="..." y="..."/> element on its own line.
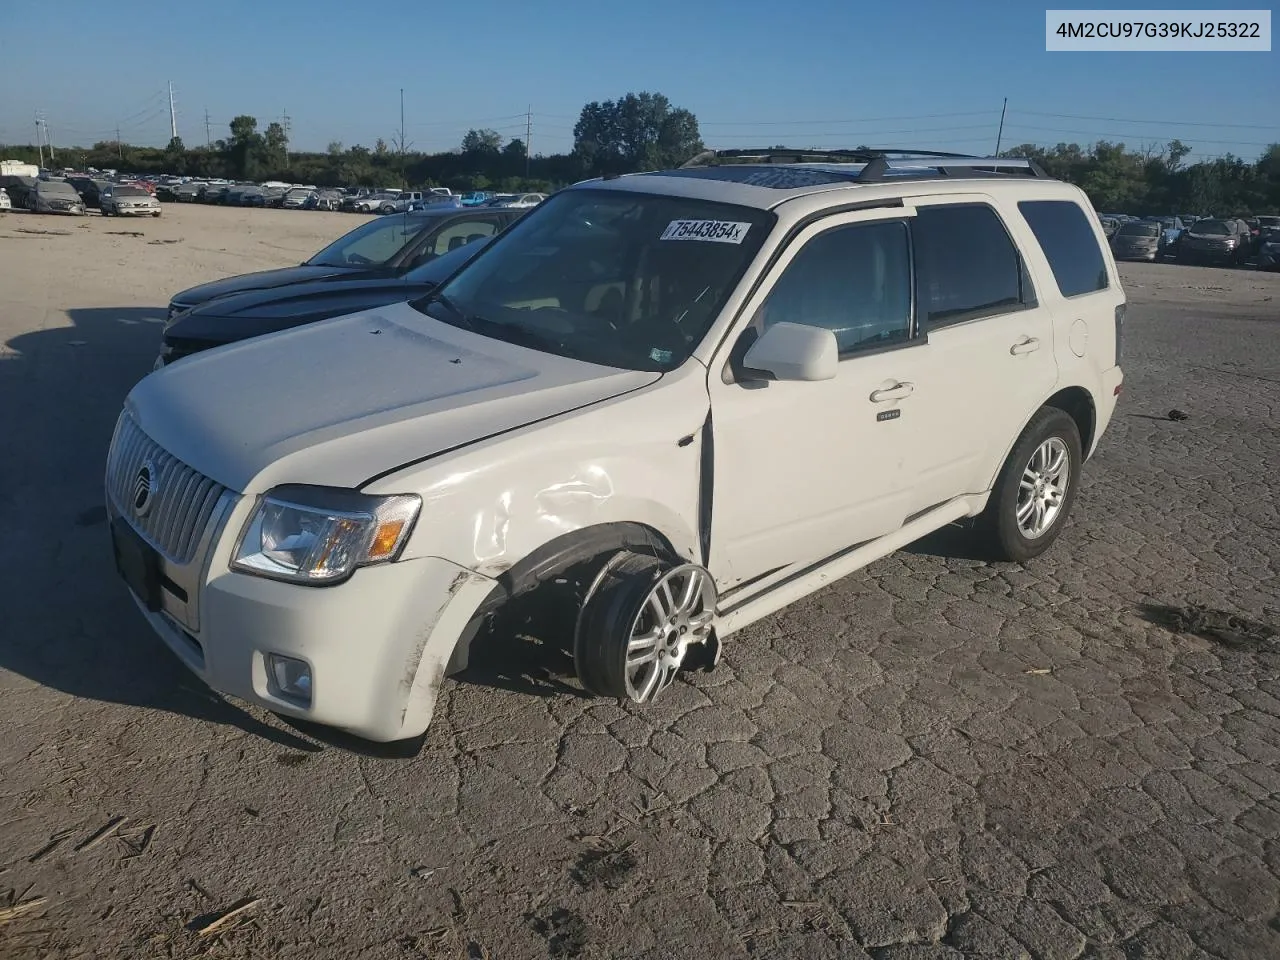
<point x="464" y="320"/>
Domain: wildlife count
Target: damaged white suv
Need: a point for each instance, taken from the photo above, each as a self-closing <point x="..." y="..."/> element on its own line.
<point x="659" y="407"/>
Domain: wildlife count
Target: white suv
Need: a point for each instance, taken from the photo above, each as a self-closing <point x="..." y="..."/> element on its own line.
<point x="658" y="408"/>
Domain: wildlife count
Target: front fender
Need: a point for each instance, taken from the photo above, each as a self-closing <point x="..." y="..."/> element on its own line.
<point x="636" y="458"/>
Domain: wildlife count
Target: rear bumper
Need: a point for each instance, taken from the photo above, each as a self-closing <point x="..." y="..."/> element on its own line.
<point x="1112" y="383"/>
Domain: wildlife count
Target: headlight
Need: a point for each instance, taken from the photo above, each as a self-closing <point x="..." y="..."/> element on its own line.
<point x="320" y="535"/>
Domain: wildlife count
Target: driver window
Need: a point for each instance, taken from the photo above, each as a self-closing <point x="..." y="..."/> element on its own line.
<point x="854" y="281"/>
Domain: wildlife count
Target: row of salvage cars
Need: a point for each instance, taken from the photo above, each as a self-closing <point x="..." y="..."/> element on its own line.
<point x="1225" y="241"/>
<point x="387" y="260"/>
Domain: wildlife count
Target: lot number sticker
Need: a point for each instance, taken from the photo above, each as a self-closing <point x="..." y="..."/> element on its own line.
<point x="714" y="231"/>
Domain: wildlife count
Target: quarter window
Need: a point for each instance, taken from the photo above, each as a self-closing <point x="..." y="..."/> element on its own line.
<point x="1067" y="239"/>
<point x="966" y="265"/>
<point x="854" y="281"/>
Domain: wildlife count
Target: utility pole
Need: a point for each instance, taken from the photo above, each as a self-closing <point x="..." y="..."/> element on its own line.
<point x="48" y="138"/>
<point x="173" y="115"/>
<point x="402" y="177"/>
<point x="208" y="137"/>
<point x="119" y="145"/>
<point x="1000" y="133"/>
<point x="39" y="141"/>
<point x="285" y="124"/>
<point x="528" y="137"/>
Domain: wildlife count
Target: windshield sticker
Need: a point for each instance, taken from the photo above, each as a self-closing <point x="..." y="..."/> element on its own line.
<point x="715" y="231"/>
<point x="660" y="356"/>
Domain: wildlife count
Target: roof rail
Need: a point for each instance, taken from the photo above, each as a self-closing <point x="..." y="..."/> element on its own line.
<point x="877" y="162"/>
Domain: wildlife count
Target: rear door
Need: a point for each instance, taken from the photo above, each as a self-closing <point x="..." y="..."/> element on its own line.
<point x="991" y="352"/>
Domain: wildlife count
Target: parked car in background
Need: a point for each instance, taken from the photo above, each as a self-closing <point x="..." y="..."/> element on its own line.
<point x="325" y="200"/>
<point x="1171" y="232"/>
<point x="240" y="316"/>
<point x="88" y="188"/>
<point x="189" y="192"/>
<point x="123" y="200"/>
<point x="385" y="247"/>
<point x="1269" y="246"/>
<point x="5" y="202"/>
<point x="524" y="201"/>
<point x="375" y="201"/>
<point x="1215" y="241"/>
<point x="1137" y="240"/>
<point x="1109" y="226"/>
<point x="475" y="198"/>
<point x="297" y="198"/>
<point x="402" y="201"/>
<point x="18" y="188"/>
<point x="55" y="196"/>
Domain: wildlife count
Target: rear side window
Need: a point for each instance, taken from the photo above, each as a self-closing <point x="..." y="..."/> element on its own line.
<point x="1066" y="237"/>
<point x="966" y="265"/>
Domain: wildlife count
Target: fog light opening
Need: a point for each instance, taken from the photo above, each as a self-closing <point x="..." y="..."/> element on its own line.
<point x="291" y="678"/>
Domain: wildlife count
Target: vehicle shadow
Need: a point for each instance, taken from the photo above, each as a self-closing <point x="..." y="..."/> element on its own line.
<point x="69" y="623"/>
<point x="956" y="541"/>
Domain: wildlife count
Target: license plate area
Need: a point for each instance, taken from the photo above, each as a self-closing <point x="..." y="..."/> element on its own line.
<point x="137" y="562"/>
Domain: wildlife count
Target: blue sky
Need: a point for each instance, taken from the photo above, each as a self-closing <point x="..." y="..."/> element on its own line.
<point x="822" y="73"/>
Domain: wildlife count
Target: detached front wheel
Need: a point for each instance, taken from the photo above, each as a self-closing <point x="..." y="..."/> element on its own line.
<point x="1036" y="488"/>
<point x="638" y="623"/>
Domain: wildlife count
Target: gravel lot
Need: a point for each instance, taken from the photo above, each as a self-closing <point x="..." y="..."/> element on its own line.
<point x="934" y="758"/>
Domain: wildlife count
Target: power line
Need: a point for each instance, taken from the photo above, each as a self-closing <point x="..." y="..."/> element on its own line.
<point x="801" y="123"/>
<point x="1139" y="136"/>
<point x="1163" y="123"/>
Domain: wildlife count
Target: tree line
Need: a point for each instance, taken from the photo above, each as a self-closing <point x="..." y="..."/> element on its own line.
<point x="645" y="131"/>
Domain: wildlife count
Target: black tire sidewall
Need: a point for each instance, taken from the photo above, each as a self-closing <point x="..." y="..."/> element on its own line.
<point x="1009" y="540"/>
<point x="615" y="599"/>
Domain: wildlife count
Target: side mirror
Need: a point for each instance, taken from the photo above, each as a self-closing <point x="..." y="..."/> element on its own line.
<point x="795" y="351"/>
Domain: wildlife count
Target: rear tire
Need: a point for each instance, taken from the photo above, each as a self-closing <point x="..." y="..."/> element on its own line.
<point x="1035" y="490"/>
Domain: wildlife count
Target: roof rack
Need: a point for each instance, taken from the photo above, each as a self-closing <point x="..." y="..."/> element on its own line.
<point x="876" y="162"/>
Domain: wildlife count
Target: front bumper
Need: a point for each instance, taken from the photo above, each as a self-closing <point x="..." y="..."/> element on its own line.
<point x="138" y="211"/>
<point x="378" y="646"/>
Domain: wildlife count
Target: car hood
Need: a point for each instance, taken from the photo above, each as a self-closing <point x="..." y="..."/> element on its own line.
<point x="267" y="279"/>
<point x="239" y="316"/>
<point x="337" y="403"/>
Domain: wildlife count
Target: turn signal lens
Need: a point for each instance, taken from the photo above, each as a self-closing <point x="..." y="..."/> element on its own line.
<point x="385" y="540"/>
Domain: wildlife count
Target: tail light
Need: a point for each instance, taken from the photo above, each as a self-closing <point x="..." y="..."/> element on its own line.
<point x="1120" y="311"/>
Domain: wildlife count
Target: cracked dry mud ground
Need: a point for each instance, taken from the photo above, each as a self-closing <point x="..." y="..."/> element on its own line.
<point x="934" y="758"/>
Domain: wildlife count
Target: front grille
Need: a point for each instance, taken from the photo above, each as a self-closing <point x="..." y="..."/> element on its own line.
<point x="181" y="499"/>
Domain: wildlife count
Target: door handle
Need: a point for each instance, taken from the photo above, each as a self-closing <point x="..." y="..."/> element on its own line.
<point x="897" y="391"/>
<point x="1025" y="345"/>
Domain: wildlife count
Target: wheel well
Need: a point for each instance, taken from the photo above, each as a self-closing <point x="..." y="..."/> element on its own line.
<point x="549" y="583"/>
<point x="1077" y="404"/>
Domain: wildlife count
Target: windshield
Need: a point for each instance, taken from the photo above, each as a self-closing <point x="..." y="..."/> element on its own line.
<point x="57" y="187"/>
<point x="130" y="192"/>
<point x="1140" y="230"/>
<point x="1214" y="227"/>
<point x="628" y="280"/>
<point x="374" y="243"/>
<point x="1269" y="221"/>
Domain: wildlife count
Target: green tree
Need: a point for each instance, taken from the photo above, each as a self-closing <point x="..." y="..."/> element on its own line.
<point x="244" y="148"/>
<point x="482" y="141"/>
<point x="175" y="156"/>
<point x="636" y="132"/>
<point x="275" y="147"/>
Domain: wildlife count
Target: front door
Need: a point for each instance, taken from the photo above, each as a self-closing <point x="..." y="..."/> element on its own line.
<point x="804" y="470"/>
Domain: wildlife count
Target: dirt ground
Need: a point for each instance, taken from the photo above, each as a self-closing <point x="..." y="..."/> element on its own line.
<point x="934" y="758"/>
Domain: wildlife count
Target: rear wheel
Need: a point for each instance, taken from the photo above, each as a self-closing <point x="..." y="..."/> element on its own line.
<point x="638" y="623"/>
<point x="1035" y="490"/>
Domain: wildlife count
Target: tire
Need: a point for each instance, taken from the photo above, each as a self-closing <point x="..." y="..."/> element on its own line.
<point x="618" y="614"/>
<point x="388" y="209"/>
<point x="1050" y="430"/>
